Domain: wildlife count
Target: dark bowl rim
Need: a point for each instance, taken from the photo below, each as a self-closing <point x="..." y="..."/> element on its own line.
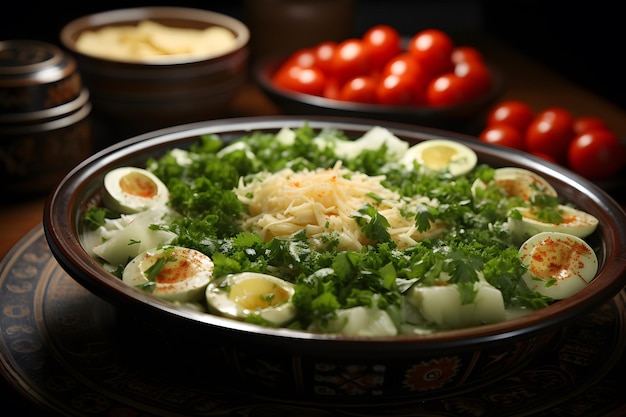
<point x="135" y="14"/>
<point x="264" y="68"/>
<point x="60" y="222"/>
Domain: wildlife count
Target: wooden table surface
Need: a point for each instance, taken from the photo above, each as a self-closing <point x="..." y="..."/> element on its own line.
<point x="524" y="80"/>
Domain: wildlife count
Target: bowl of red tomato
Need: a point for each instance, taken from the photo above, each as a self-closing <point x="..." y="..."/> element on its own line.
<point x="584" y="143"/>
<point x="428" y="79"/>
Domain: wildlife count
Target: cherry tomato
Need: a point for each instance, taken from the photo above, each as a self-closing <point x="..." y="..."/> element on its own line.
<point x="384" y="44"/>
<point x="304" y="58"/>
<point x="586" y="123"/>
<point x="433" y="49"/>
<point x="304" y="80"/>
<point x="351" y="58"/>
<point x="323" y="55"/>
<point x="503" y="135"/>
<point x="405" y="64"/>
<point x="400" y="90"/>
<point x="551" y="132"/>
<point x="512" y="112"/>
<point x="400" y="64"/>
<point x="361" y="89"/>
<point x="478" y="75"/>
<point x="331" y="88"/>
<point x="596" y="154"/>
<point x="448" y="90"/>
<point x="465" y="54"/>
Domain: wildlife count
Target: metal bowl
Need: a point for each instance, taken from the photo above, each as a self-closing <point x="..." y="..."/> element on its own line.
<point x="300" y="366"/>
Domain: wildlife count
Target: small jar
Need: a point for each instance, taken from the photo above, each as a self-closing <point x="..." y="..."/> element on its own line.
<point x="45" y="123"/>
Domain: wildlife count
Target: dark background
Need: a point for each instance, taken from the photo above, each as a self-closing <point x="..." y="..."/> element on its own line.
<point x="583" y="41"/>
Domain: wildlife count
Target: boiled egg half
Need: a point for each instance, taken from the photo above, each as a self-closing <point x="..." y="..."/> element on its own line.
<point x="131" y="190"/>
<point x="517" y="182"/>
<point x="559" y="264"/>
<point x="173" y="273"/>
<point x="522" y="183"/>
<point x="239" y="296"/>
<point x="441" y="155"/>
<point x="574" y="222"/>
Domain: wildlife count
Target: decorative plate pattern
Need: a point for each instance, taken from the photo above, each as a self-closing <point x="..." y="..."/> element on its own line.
<point x="75" y="355"/>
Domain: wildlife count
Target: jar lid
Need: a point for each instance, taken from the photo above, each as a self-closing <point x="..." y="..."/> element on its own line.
<point x="10" y="120"/>
<point x="35" y="75"/>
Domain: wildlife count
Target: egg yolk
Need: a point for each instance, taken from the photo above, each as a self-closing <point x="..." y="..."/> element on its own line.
<point x="138" y="184"/>
<point x="438" y="157"/>
<point x="515" y="188"/>
<point x="257" y="293"/>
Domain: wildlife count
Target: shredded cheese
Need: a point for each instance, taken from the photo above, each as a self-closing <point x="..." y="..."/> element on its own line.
<point x="323" y="201"/>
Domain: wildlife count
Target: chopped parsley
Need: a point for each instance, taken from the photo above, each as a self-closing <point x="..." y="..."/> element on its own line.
<point x="476" y="240"/>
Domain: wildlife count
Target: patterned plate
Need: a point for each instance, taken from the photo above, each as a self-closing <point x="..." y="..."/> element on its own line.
<point x="73" y="354"/>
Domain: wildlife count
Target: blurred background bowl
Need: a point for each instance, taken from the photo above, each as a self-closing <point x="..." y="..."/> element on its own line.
<point x="299" y="366"/>
<point x="131" y="97"/>
<point x="45" y="123"/>
<point x="467" y="118"/>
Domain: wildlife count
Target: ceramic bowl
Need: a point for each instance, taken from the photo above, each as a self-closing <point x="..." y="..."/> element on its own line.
<point x="133" y="97"/>
<point x="465" y="118"/>
<point x="45" y="125"/>
<point x="300" y="366"/>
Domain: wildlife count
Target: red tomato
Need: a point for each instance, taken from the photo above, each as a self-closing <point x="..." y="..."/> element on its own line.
<point x="323" y="55"/>
<point x="331" y="88"/>
<point x="596" y="154"/>
<point x="587" y="123"/>
<point x="405" y="64"/>
<point x="515" y="113"/>
<point x="361" y="89"/>
<point x="351" y="58"/>
<point x="401" y="64"/>
<point x="433" y="49"/>
<point x="304" y="80"/>
<point x="478" y="75"/>
<point x="400" y="90"/>
<point x="465" y="54"/>
<point x="448" y="90"/>
<point x="503" y="135"/>
<point x="384" y="43"/>
<point x="304" y="58"/>
<point x="551" y="132"/>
